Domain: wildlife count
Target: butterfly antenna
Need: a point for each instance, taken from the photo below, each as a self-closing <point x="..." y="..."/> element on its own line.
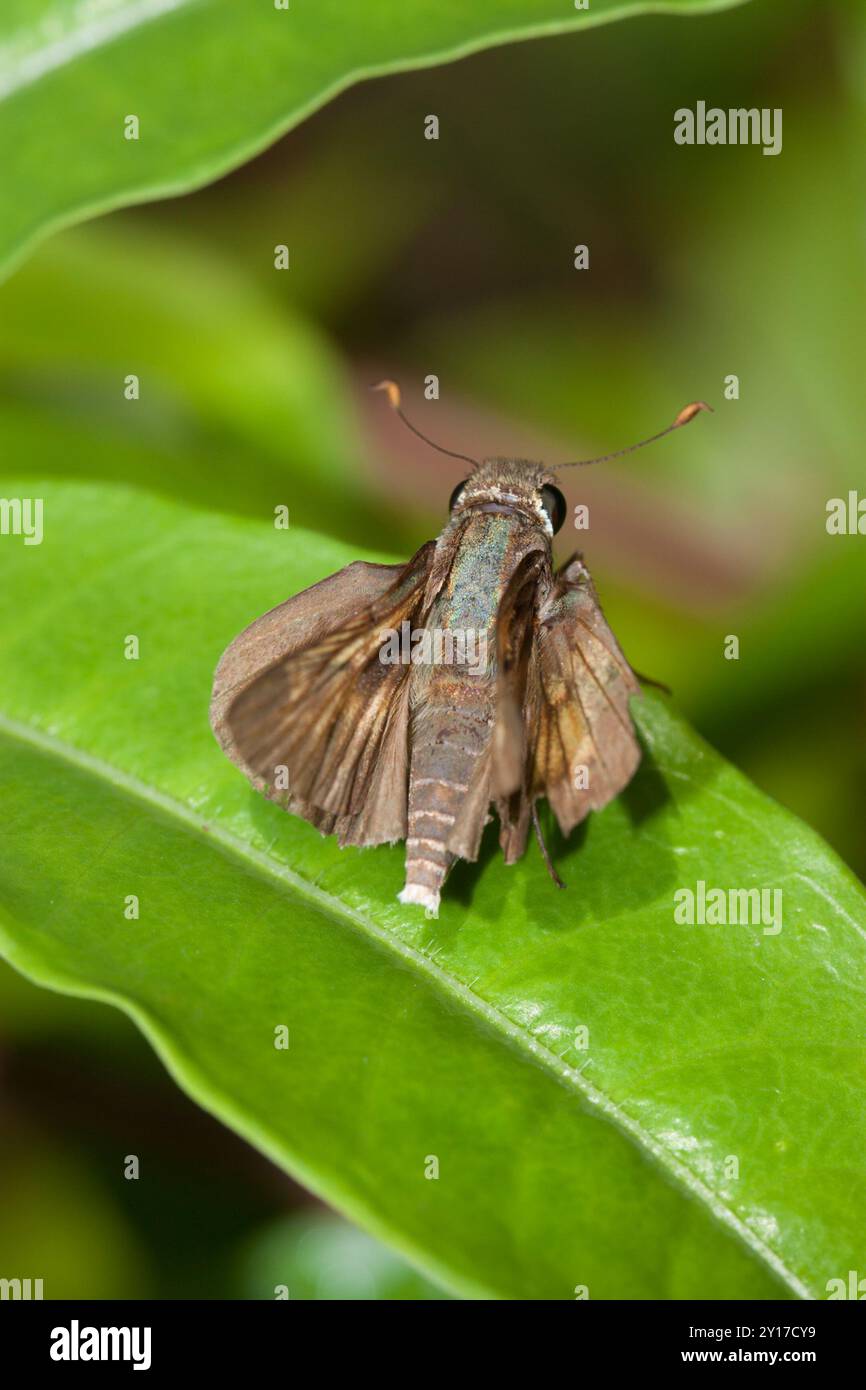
<point x="392" y="391"/>
<point x="687" y="413"/>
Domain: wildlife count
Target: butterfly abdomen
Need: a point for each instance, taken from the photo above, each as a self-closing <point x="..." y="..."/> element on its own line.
<point x="449" y="746"/>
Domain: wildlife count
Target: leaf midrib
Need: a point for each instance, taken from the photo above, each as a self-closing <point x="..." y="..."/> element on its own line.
<point x="488" y="1013"/>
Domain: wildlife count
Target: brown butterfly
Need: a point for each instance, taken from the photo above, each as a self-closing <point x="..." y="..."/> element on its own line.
<point x="398" y="702"/>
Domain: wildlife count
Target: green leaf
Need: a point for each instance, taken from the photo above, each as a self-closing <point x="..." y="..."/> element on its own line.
<point x="708" y="1140"/>
<point x="70" y="75"/>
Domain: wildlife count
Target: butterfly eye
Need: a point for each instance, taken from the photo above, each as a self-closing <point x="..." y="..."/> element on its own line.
<point x="553" y="503"/>
<point x="457" y="494"/>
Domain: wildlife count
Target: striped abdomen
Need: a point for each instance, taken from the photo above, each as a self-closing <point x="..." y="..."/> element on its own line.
<point x="449" y="743"/>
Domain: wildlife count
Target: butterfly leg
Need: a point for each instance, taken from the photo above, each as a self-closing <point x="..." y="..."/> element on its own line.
<point x="657" y="685"/>
<point x="543" y="847"/>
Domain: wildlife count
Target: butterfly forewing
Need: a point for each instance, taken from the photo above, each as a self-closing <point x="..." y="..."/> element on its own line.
<point x="325" y="708"/>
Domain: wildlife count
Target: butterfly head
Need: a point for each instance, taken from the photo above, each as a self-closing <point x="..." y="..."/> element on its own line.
<point x="502" y="485"/>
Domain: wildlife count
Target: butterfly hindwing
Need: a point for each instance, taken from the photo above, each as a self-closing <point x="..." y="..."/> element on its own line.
<point x="586" y="749"/>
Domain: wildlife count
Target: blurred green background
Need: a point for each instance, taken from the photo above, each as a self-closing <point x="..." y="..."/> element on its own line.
<point x="454" y="257"/>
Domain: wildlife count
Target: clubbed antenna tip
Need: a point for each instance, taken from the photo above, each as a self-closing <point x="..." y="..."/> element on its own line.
<point x="687" y="413"/>
<point x="392" y="391"/>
